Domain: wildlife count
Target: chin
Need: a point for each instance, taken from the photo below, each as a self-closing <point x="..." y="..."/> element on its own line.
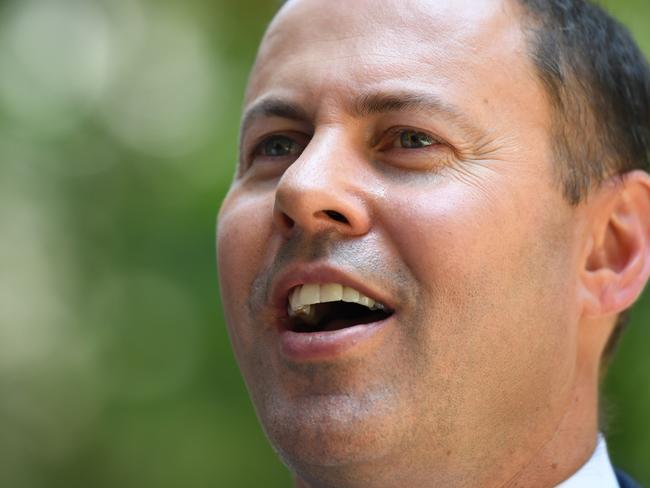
<point x="330" y="433"/>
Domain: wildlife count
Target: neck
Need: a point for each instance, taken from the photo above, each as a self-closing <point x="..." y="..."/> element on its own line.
<point x="574" y="439"/>
<point x="570" y="447"/>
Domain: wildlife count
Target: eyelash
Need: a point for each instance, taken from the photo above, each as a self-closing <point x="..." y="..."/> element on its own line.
<point x="396" y="132"/>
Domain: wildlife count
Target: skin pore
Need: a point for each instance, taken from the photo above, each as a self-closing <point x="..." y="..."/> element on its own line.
<point x="407" y="144"/>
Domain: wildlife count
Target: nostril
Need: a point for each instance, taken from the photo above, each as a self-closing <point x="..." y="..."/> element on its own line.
<point x="287" y="221"/>
<point x="334" y="215"/>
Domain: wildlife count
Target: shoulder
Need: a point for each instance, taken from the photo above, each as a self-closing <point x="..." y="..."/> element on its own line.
<point x="625" y="481"/>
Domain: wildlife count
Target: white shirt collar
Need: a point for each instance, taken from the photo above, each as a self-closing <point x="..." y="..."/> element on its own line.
<point x="595" y="473"/>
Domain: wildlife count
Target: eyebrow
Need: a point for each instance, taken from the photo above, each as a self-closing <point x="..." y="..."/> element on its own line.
<point x="378" y="103"/>
<point x="416" y="101"/>
<point x="273" y="107"/>
<point x="368" y="104"/>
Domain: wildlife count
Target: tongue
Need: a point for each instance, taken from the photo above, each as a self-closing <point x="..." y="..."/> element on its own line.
<point x="338" y="324"/>
<point x="336" y="316"/>
<point x="331" y="323"/>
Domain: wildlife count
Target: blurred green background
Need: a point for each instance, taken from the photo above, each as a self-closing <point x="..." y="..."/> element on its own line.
<point x="118" y="137"/>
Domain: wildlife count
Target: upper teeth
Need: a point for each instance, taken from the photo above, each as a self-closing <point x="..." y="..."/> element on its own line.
<point x="301" y="298"/>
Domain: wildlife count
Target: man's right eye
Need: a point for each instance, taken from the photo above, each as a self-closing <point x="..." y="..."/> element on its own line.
<point x="278" y="147"/>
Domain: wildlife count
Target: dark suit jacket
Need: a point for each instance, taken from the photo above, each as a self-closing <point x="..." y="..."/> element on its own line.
<point x="625" y="481"/>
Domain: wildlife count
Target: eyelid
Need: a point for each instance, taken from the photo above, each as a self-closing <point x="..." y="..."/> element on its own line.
<point x="433" y="157"/>
<point x="396" y="131"/>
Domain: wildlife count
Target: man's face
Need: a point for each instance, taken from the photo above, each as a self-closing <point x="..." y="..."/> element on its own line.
<point x="402" y="149"/>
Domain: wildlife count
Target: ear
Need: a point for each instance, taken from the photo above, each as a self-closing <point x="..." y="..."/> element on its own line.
<point x="617" y="264"/>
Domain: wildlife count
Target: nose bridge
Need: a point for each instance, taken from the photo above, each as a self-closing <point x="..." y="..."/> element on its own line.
<point x="322" y="189"/>
<point x="323" y="162"/>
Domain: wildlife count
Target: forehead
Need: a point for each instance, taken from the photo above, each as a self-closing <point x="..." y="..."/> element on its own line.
<point x="464" y="49"/>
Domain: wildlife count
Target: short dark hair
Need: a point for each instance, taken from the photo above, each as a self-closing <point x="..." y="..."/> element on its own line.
<point x="598" y="82"/>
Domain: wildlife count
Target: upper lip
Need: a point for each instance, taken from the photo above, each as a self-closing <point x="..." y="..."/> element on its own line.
<point x="301" y="274"/>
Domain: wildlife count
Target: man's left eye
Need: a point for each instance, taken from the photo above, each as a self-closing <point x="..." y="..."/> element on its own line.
<point x="411" y="139"/>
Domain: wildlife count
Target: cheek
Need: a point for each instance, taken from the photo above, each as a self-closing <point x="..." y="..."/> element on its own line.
<point x="489" y="266"/>
<point x="495" y="302"/>
<point x="243" y="234"/>
<point x="445" y="235"/>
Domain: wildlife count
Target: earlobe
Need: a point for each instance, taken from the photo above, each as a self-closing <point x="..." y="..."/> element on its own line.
<point x="617" y="265"/>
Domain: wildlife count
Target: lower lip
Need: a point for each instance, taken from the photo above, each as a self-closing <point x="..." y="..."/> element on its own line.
<point x="331" y="344"/>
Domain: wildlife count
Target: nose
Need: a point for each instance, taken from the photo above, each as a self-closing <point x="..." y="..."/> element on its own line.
<point x="322" y="191"/>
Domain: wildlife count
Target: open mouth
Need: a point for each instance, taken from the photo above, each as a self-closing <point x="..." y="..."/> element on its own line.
<point x="330" y="307"/>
